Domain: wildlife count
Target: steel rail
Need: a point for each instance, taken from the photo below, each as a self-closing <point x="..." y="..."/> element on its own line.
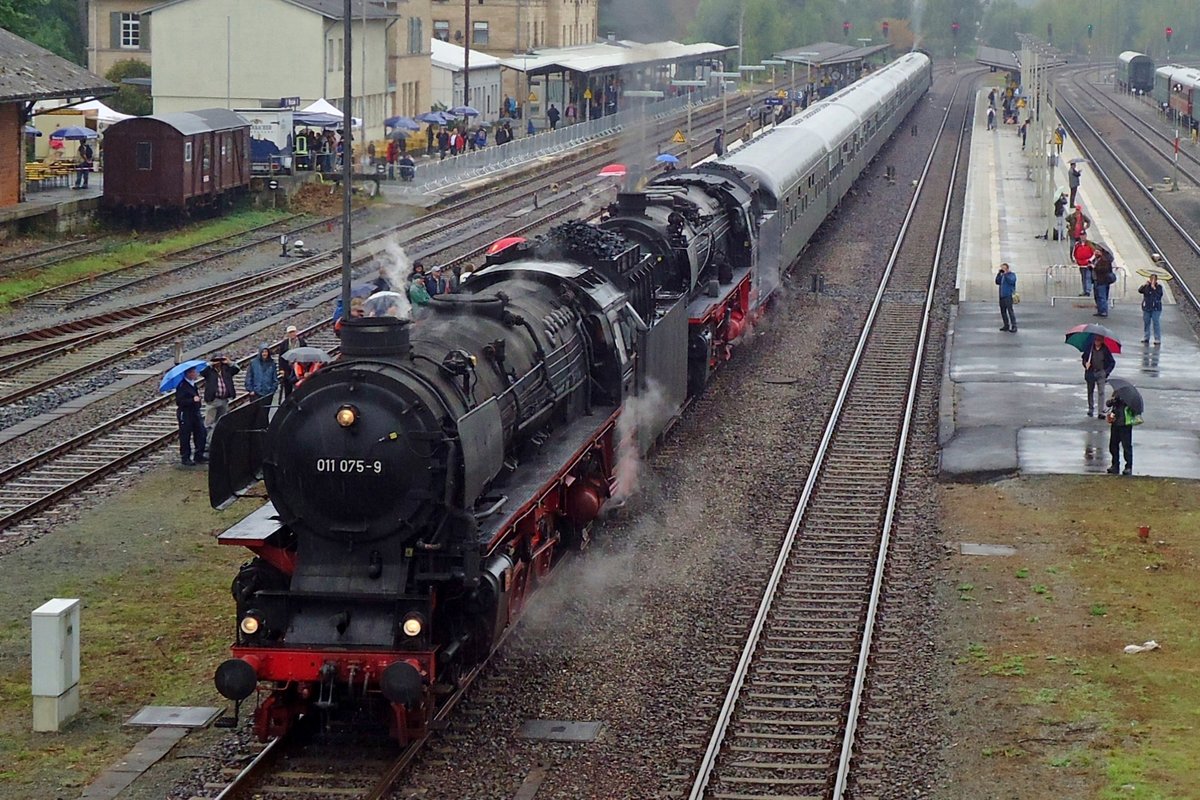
<point x="844" y="762"/>
<point x="732" y="695"/>
<point x="1130" y="215"/>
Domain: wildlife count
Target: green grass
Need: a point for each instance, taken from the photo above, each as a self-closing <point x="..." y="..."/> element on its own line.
<point x="132" y="251"/>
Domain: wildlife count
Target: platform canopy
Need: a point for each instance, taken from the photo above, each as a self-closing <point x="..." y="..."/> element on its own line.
<point x="997" y="58"/>
<point x="829" y="54"/>
<point x="611" y="55"/>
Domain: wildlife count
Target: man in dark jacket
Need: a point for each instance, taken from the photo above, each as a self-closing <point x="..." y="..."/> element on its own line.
<point x="191" y="421"/>
<point x="262" y="375"/>
<point x="1103" y="276"/>
<point x="553" y="116"/>
<point x="219" y="388"/>
<point x="1120" y="435"/>
<point x="1098" y="364"/>
<point x="1152" y="297"/>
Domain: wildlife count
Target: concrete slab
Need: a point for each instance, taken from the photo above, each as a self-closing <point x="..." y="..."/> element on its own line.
<point x="145" y="754"/>
<point x="174" y="717"/>
<point x="560" y="730"/>
<point x="973" y="549"/>
<point x="1018" y="402"/>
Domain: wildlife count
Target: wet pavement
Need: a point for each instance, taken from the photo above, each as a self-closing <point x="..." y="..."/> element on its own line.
<point x="1018" y="402"/>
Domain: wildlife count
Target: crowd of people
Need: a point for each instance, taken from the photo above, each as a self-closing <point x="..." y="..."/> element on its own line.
<point x="1097" y="273"/>
<point x="198" y="410"/>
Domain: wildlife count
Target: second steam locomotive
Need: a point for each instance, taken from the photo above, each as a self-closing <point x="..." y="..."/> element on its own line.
<point x="425" y="483"/>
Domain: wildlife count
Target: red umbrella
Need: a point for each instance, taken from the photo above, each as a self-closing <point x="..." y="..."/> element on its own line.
<point x="613" y="171"/>
<point x="503" y="244"/>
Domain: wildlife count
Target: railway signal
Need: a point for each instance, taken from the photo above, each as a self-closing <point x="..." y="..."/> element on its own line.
<point x="1090" y="28"/>
<point x="886" y="29"/>
<point x="1168" y="33"/>
<point x="846" y="26"/>
<point x="954" y="28"/>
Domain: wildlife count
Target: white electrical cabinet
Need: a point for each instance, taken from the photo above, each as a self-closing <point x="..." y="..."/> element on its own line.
<point x="55" y="651"/>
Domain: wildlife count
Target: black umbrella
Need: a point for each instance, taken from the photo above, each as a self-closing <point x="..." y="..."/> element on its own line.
<point x="1128" y="394"/>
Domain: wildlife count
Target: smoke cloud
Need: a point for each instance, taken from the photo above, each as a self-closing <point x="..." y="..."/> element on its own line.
<point x="646" y="412"/>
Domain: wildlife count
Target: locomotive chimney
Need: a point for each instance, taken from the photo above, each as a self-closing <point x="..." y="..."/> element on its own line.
<point x="377" y="337"/>
<point x="632" y="204"/>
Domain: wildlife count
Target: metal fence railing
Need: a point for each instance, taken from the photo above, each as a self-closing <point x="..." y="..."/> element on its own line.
<point x="493" y="158"/>
<point x="1063" y="282"/>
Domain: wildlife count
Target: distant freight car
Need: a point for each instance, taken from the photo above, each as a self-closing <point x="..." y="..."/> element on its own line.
<point x="176" y="162"/>
<point x="1135" y="72"/>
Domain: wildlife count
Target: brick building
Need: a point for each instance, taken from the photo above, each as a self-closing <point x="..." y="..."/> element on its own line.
<point x="29" y="73"/>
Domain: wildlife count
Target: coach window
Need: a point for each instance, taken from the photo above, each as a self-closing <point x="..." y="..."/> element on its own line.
<point x="142" y="156"/>
<point x="187" y="152"/>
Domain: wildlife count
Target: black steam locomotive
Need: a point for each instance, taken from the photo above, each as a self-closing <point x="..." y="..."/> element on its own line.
<point x="424" y="484"/>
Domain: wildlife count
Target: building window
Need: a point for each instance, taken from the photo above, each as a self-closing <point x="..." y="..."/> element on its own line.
<point x="131" y="32"/>
<point x="187" y="152"/>
<point x="415" y="37"/>
<point x="441" y="29"/>
<point x="480" y="34"/>
<point x="142" y="155"/>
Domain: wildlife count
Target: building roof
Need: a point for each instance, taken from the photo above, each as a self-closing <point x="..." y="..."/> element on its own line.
<point x="603" y="56"/>
<point x="450" y="56"/>
<point x="29" y="72"/>
<point x="996" y="57"/>
<point x="201" y="121"/>
<point x="830" y="53"/>
<point x="330" y="9"/>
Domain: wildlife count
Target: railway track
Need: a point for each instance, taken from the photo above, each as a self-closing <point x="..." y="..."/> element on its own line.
<point x="1155" y="216"/>
<point x="94" y="288"/>
<point x="48" y="256"/>
<point x="36" y="361"/>
<point x="1149" y="132"/>
<point x="787" y="723"/>
<point x="31" y="487"/>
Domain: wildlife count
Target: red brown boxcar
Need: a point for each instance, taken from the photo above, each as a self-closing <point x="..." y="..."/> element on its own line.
<point x="176" y="162"/>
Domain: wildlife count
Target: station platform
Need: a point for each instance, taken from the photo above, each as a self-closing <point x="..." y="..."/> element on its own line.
<point x="1017" y="402"/>
<point x="54" y="209"/>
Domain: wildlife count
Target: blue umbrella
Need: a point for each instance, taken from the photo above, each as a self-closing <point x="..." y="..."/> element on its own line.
<point x="464" y="111"/>
<point x="32" y="131"/>
<point x="666" y="158"/>
<point x="402" y="123"/>
<point x="74" y="132"/>
<point x="170" y="382"/>
<point x="435" y="117"/>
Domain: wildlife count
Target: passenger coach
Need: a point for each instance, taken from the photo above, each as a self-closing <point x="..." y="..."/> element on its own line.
<point x="176" y="162"/>
<point x="1135" y="72"/>
<point x="828" y="146"/>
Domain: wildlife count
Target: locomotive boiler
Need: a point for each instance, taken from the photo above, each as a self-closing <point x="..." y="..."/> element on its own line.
<point x="424" y="484"/>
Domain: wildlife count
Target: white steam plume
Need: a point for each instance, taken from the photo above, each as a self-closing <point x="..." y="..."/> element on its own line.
<point x="647" y="411"/>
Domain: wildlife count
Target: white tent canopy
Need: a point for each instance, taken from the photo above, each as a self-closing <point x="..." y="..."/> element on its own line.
<point x="104" y="114"/>
<point x="323" y="106"/>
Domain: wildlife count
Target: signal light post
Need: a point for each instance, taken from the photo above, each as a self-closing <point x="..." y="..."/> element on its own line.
<point x="724" y="93"/>
<point x="1168" y="33"/>
<point x="689" y="85"/>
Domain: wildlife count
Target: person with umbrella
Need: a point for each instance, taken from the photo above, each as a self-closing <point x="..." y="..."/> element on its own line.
<point x="1125" y="409"/>
<point x="83" y="164"/>
<point x="1098" y="364"/>
<point x="1152" y="297"/>
<point x="291" y="341"/>
<point x="183" y="379"/>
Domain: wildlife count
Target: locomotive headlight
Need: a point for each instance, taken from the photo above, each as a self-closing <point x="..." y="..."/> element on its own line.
<point x="249" y="625"/>
<point x="347" y="415"/>
<point x="413" y="625"/>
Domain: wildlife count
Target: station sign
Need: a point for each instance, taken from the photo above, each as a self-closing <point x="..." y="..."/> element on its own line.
<point x="533" y="98"/>
<point x="587" y="93"/>
<point x="678" y="138"/>
<point x="289" y="102"/>
<point x="773" y="101"/>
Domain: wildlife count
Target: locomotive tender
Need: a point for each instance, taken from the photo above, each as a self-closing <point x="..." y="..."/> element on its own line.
<point x="425" y="483"/>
